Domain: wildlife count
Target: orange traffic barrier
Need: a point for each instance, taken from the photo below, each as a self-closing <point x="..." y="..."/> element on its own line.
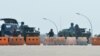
<point x="95" y="41"/>
<point x="16" y="41"/>
<point x="49" y="41"/>
<point x="32" y="40"/>
<point x="60" y="41"/>
<point x="3" y="40"/>
<point x="71" y="41"/>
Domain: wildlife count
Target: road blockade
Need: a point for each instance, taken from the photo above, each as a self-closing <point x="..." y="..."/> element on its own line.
<point x="3" y="40"/>
<point x="16" y="40"/>
<point x="82" y="41"/>
<point x="95" y="41"/>
<point x="32" y="41"/>
<point x="49" y="41"/>
<point x="60" y="41"/>
<point x="71" y="41"/>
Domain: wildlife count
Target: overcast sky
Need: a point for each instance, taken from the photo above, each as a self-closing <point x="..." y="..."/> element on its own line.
<point x="62" y="12"/>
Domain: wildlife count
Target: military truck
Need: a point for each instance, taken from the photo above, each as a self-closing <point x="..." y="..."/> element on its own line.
<point x="75" y="31"/>
<point x="11" y="27"/>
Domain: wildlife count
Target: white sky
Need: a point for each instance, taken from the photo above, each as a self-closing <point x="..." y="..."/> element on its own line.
<point x="62" y="12"/>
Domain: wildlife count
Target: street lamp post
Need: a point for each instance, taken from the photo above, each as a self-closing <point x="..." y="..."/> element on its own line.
<point x="88" y="20"/>
<point x="52" y="23"/>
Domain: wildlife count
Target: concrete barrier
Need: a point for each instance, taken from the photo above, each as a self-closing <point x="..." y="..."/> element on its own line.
<point x="32" y="41"/>
<point x="95" y="41"/>
<point x="49" y="41"/>
<point x="3" y="40"/>
<point x="16" y="41"/>
<point x="82" y="41"/>
<point x="60" y="41"/>
<point x="71" y="41"/>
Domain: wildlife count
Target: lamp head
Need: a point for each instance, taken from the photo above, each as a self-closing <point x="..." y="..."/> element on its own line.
<point x="45" y="18"/>
<point x="78" y="13"/>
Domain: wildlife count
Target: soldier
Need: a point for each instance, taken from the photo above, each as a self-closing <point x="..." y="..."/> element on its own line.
<point x="77" y="31"/>
<point x="51" y="33"/>
<point x="22" y="28"/>
<point x="22" y="24"/>
<point x="72" y="30"/>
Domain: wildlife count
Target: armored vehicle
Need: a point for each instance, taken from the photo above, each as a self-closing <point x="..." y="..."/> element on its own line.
<point x="75" y="31"/>
<point x="11" y="27"/>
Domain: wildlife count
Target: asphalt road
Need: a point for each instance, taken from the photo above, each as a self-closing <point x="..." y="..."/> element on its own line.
<point x="50" y="50"/>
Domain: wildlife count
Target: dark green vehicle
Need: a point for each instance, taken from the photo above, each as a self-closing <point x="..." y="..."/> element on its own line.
<point x="75" y="31"/>
<point x="11" y="27"/>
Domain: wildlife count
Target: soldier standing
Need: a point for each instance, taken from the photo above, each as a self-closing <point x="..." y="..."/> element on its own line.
<point x="51" y="33"/>
<point x="72" y="30"/>
<point x="77" y="31"/>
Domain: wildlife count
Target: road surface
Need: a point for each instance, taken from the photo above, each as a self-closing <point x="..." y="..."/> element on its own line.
<point x="49" y="50"/>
